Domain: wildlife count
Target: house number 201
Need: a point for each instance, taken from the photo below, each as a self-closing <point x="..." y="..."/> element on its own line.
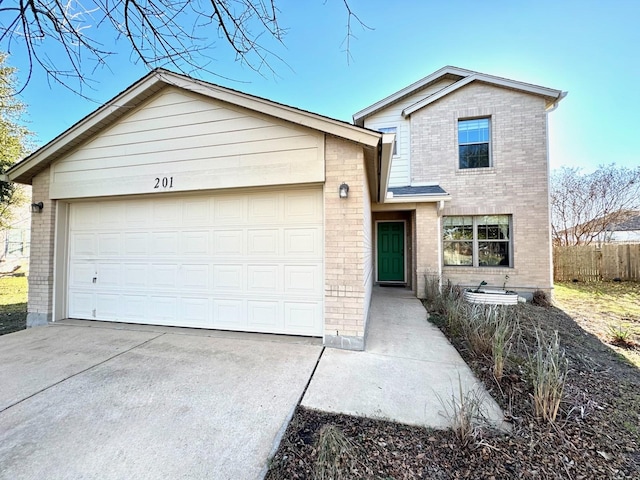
<point x="164" y="182"/>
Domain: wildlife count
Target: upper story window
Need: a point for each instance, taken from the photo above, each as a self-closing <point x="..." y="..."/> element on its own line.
<point x="474" y="143"/>
<point x="395" y="141"/>
<point x="481" y="241"/>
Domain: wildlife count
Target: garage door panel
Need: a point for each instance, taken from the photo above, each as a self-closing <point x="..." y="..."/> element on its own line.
<point x="164" y="243"/>
<point x="165" y="212"/>
<point x="196" y="211"/>
<point x="110" y="214"/>
<point x="229" y="211"/>
<point x="138" y="214"/>
<point x="303" y="241"/>
<point x="194" y="277"/>
<point x="194" y="243"/>
<point x="81" y="305"/>
<point x="136" y="244"/>
<point x="81" y="274"/>
<point x="134" y="308"/>
<point x="263" y="279"/>
<point x="303" y="279"/>
<point x="263" y="315"/>
<point x="163" y="308"/>
<point x="164" y="276"/>
<point x="83" y="244"/>
<point x="262" y="242"/>
<point x="109" y="274"/>
<point x="235" y="261"/>
<point x="135" y="275"/>
<point x="109" y="244"/>
<point x="263" y="210"/>
<point x="107" y="306"/>
<point x="228" y="242"/>
<point x="302" y="207"/>
<point x="301" y="316"/>
<point x="229" y="314"/>
<point x="228" y="278"/>
<point x="195" y="311"/>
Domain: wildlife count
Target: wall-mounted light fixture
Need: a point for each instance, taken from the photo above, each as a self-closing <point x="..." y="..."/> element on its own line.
<point x="344" y="190"/>
<point x="37" y="207"/>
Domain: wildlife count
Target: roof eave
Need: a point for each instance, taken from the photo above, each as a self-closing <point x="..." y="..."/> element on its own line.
<point x="358" y="118"/>
<point x="552" y="96"/>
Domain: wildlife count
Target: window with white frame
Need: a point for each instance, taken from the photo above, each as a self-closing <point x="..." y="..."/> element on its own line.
<point x="395" y="141"/>
<point x="477" y="241"/>
<point x="474" y="144"/>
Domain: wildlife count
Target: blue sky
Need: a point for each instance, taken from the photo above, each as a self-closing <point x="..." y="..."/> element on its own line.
<point x="588" y="48"/>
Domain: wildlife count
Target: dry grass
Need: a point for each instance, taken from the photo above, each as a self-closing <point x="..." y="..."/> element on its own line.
<point x="337" y="458"/>
<point x="548" y="366"/>
<point x="602" y="308"/>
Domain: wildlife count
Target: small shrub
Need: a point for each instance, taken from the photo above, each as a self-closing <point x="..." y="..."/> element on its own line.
<point x="548" y="368"/>
<point x="541" y="299"/>
<point x="337" y="457"/>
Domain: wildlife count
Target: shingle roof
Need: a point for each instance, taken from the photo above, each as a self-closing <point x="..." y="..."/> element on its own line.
<point x="413" y="191"/>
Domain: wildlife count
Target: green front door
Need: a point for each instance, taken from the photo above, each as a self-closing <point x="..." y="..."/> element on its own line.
<point x="391" y="251"/>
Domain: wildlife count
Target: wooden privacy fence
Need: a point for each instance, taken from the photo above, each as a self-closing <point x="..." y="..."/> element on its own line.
<point x="591" y="263"/>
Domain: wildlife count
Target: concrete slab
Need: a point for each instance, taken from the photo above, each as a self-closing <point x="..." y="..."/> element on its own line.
<point x="177" y="406"/>
<point x="37" y="358"/>
<point x="408" y="373"/>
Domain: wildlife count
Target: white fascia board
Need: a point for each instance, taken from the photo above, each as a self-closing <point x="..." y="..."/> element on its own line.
<point x="328" y="125"/>
<point x="549" y="93"/>
<point x="385" y="164"/>
<point x="461" y="72"/>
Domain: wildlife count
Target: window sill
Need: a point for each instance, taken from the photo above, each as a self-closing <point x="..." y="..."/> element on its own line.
<point x="468" y="269"/>
<point x="476" y="171"/>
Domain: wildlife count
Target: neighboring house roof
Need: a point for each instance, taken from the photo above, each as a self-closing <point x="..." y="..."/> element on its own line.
<point x="461" y="78"/>
<point x="632" y="223"/>
<point x="152" y="83"/>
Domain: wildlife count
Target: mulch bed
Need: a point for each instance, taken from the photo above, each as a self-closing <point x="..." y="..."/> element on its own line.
<point x="12" y="322"/>
<point x="596" y="435"/>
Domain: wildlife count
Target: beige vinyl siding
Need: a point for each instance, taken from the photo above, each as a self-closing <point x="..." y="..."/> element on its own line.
<point x="392" y="117"/>
<point x="202" y="143"/>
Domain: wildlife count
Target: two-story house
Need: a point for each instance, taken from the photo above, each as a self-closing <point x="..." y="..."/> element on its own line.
<point x="466" y="197"/>
<point x="183" y="203"/>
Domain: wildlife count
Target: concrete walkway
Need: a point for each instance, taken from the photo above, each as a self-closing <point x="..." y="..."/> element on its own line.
<point x="408" y="373"/>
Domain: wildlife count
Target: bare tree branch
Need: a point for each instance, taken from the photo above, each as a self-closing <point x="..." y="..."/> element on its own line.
<point x="61" y="36"/>
<point x="584" y="208"/>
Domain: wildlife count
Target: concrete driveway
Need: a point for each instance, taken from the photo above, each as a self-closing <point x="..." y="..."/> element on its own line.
<point x="145" y="402"/>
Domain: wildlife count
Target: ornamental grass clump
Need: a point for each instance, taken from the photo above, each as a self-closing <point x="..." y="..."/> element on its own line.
<point x="337" y="456"/>
<point x="548" y="366"/>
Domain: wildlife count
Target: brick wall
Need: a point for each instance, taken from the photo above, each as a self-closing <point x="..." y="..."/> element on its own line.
<point x="41" y="260"/>
<point x="345" y="252"/>
<point x="427" y="244"/>
<point x="516" y="184"/>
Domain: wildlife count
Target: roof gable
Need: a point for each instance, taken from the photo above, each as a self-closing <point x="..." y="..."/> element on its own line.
<point x="151" y="84"/>
<point x="462" y="78"/>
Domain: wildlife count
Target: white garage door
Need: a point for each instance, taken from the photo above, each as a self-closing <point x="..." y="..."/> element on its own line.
<point x="250" y="261"/>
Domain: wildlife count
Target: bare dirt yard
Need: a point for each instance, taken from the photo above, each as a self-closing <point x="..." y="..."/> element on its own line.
<point x="596" y="433"/>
